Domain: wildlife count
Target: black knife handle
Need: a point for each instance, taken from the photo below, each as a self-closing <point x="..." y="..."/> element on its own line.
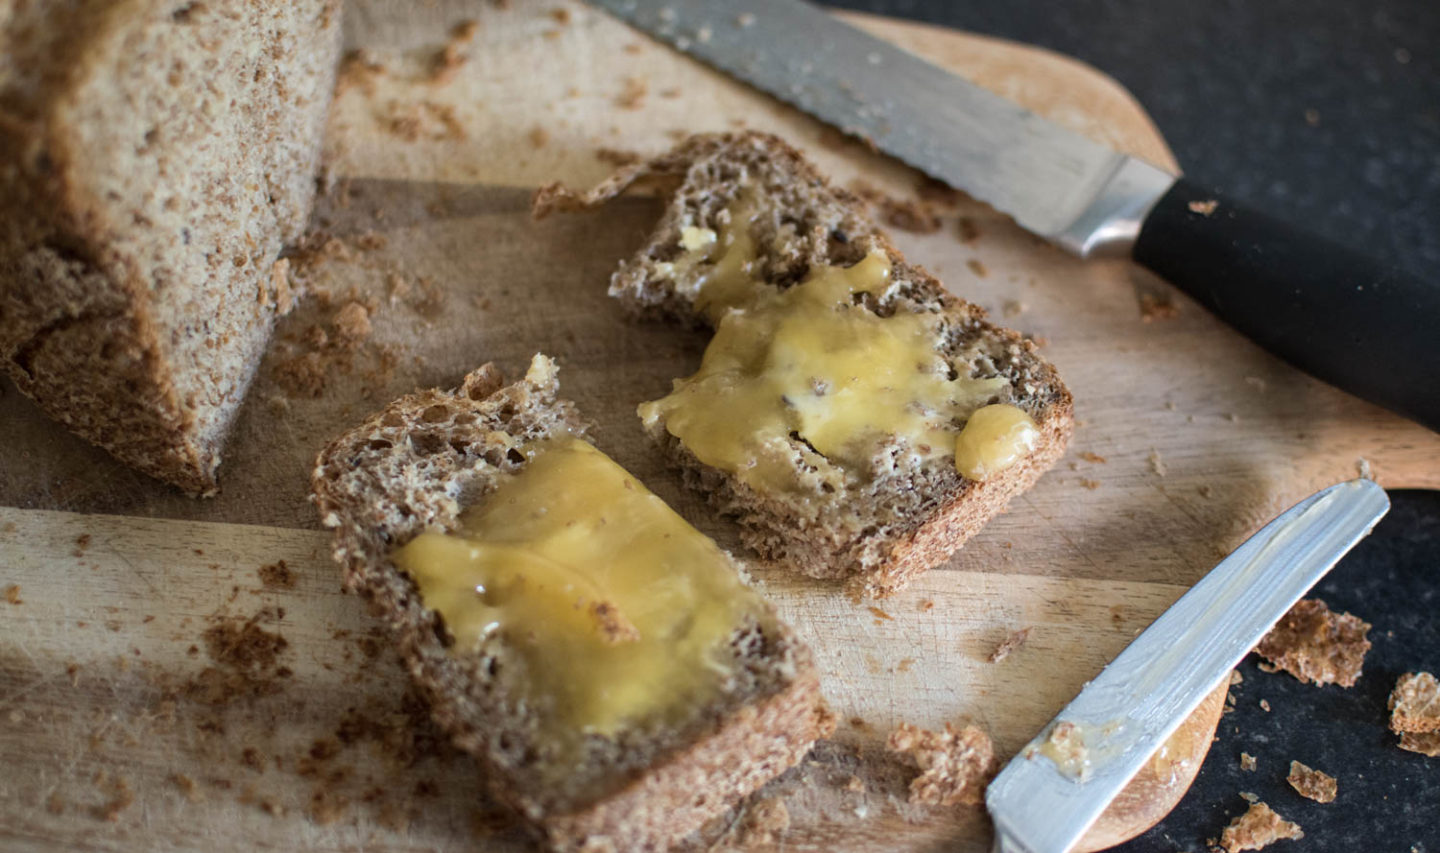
<point x="1359" y="324"/>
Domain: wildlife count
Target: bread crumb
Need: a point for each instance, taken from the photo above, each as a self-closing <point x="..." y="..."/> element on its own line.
<point x="955" y="765"/>
<point x="1362" y="467"/>
<point x="81" y="543"/>
<point x="1311" y="784"/>
<point x="977" y="268"/>
<point x="562" y="16"/>
<point x="1093" y="457"/>
<point x="121" y="798"/>
<point x="880" y="615"/>
<point x="1316" y="645"/>
<point x="969" y="232"/>
<point x="904" y="664"/>
<point x="854" y="784"/>
<point x="539" y="137"/>
<point x="187" y="787"/>
<point x="1265" y="705"/>
<point x="1247" y="762"/>
<point x="765" y="822"/>
<point x="925" y="605"/>
<point x="12" y="594"/>
<point x="1259" y="827"/>
<point x="1153" y="308"/>
<point x="1415" y="704"/>
<point x="351" y="324"/>
<point x="1236" y="677"/>
<point x="1009" y="644"/>
<point x="745" y="19"/>
<point x="1092" y="485"/>
<point x="450" y="58"/>
<point x="277" y="575"/>
<point x="632" y="95"/>
<point x="1204" y="208"/>
<point x="1157" y="463"/>
<point x="358" y="70"/>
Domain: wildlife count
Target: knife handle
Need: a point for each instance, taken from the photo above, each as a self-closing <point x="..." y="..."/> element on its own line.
<point x="1359" y="324"/>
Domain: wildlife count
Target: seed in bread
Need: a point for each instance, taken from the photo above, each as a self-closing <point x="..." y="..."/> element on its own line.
<point x="856" y="373"/>
<point x="590" y="755"/>
<point x="154" y="158"/>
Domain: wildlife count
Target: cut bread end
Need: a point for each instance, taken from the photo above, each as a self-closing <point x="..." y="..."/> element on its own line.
<point x="884" y="528"/>
<point x="415" y="466"/>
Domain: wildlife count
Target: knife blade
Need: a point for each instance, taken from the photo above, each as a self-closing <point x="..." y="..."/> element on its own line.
<point x="1356" y="322"/>
<point x="1058" y="785"/>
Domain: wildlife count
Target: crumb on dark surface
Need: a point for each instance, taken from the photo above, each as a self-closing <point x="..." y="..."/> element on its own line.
<point x="1257" y="828"/>
<point x="1311" y="784"/>
<point x="1317" y="646"/>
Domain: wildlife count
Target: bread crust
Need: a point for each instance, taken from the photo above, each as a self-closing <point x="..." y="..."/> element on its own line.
<point x="876" y="540"/>
<point x="416" y="465"/>
<point x="106" y="319"/>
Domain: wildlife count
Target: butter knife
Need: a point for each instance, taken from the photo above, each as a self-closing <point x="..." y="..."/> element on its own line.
<point x="1046" y="798"/>
<point x="1356" y="322"/>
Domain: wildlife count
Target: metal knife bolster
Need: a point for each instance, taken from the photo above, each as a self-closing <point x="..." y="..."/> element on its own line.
<point x="1040" y="803"/>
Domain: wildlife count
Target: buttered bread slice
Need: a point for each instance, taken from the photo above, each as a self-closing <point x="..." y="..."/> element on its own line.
<point x="601" y="657"/>
<point x="856" y="418"/>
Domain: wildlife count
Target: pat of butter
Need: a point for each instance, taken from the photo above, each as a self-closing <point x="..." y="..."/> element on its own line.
<point x="994" y="438"/>
<point x="811" y="363"/>
<point x="619" y="611"/>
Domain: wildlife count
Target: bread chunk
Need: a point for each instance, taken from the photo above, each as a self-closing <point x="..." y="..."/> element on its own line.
<point x="903" y="507"/>
<point x="154" y="158"/>
<point x="1316" y="645"/>
<point x="955" y="765"/>
<point x="417" y="466"/>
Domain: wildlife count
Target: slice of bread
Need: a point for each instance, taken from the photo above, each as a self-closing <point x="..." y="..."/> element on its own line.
<point x="881" y="528"/>
<point x="414" y="467"/>
<point x="154" y="157"/>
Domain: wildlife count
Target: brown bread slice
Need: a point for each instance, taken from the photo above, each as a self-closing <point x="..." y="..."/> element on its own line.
<point x="883" y="531"/>
<point x="416" y="465"/>
<point x="154" y="157"/>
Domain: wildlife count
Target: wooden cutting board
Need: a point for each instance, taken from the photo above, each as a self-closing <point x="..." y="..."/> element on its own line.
<point x="165" y="684"/>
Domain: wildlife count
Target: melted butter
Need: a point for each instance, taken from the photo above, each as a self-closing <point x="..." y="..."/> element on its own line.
<point x="994" y="438"/>
<point x="620" y="611"/>
<point x="808" y="361"/>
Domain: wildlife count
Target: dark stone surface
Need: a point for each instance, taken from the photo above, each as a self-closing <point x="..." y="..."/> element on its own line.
<point x="1229" y="83"/>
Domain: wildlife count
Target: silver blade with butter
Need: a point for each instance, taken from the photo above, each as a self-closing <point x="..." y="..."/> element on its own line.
<point x="1306" y="299"/>
<point x="1053" y="791"/>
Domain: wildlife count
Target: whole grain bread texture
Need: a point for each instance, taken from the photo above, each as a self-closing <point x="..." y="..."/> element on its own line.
<point x="415" y="466"/>
<point x="879" y="530"/>
<point x="154" y="157"/>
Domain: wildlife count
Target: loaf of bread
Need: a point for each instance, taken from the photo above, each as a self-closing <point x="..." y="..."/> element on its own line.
<point x="876" y="521"/>
<point x="154" y="157"/>
<point x="413" y="469"/>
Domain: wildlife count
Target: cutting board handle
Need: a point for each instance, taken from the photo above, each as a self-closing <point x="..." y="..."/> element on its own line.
<point x="1358" y="323"/>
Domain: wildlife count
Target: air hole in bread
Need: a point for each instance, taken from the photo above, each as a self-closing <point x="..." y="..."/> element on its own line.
<point x="435" y="414"/>
<point x="515" y="456"/>
<point x="459" y="446"/>
<point x="379" y="444"/>
<point x="392" y="420"/>
<point x="427" y="444"/>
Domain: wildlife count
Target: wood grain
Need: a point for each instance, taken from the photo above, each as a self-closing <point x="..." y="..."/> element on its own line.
<point x="1189" y="439"/>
